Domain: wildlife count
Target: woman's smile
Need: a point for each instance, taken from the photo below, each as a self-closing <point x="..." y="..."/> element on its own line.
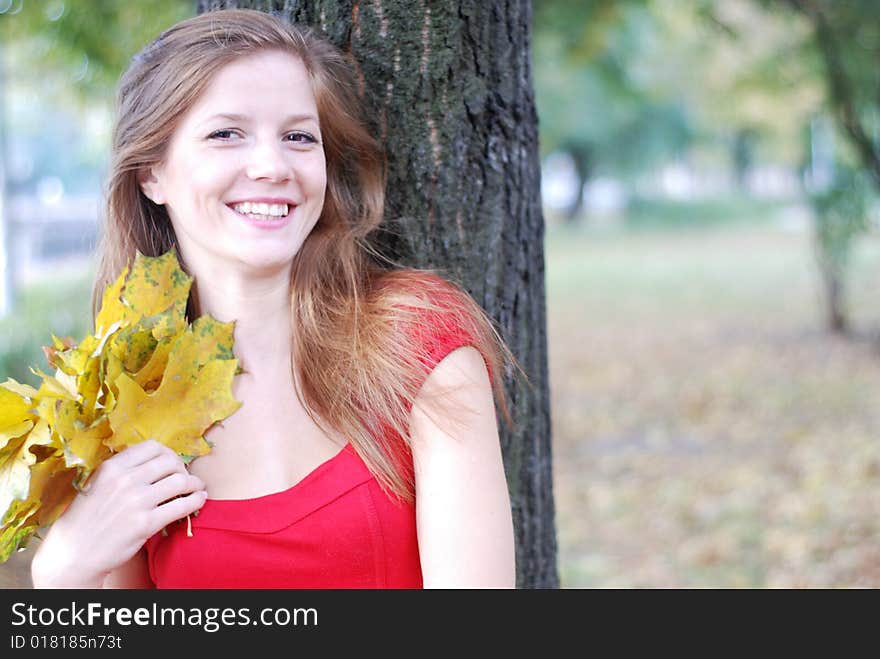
<point x="270" y="214"/>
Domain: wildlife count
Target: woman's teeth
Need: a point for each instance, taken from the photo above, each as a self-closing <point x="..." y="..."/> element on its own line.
<point x="261" y="211"/>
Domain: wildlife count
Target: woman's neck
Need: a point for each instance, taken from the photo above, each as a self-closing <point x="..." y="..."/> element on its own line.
<point x="261" y="312"/>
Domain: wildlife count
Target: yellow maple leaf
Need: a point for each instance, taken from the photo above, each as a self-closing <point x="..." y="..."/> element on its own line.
<point x="154" y="286"/>
<point x="16" y="460"/>
<point x="51" y="491"/>
<point x="150" y="376"/>
<point x="200" y="402"/>
<point x="144" y="373"/>
<point x="199" y="360"/>
<point x="14" y="406"/>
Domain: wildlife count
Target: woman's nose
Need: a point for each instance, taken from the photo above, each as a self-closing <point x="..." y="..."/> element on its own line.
<point x="268" y="161"/>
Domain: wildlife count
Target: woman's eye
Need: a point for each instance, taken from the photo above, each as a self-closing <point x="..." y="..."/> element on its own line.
<point x="223" y="134"/>
<point x="301" y="138"/>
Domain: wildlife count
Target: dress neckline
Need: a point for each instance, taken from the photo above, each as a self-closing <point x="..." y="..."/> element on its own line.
<point x="272" y="512"/>
<point x="267" y="497"/>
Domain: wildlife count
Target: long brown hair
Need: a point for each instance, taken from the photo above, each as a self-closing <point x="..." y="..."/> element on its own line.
<point x="359" y="328"/>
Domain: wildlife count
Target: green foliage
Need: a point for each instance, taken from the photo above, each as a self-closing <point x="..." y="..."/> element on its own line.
<point x="845" y="40"/>
<point x="92" y="40"/>
<point x="61" y="62"/>
<point x="592" y="99"/>
<point x="741" y="71"/>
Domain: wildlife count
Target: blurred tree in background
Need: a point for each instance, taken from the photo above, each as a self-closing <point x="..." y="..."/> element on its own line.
<point x="841" y="211"/>
<point x="845" y="39"/>
<point x="61" y="60"/>
<point x="596" y="100"/>
<point x="846" y="36"/>
<point x="731" y="91"/>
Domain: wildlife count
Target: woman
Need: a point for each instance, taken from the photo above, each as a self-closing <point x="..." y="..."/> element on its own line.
<point x="366" y="451"/>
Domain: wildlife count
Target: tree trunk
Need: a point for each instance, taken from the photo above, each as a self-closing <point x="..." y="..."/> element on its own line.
<point x="448" y="86"/>
<point x="582" y="157"/>
<point x="835" y="316"/>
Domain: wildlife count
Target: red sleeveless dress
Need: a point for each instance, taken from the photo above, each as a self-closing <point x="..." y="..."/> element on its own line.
<point x="336" y="528"/>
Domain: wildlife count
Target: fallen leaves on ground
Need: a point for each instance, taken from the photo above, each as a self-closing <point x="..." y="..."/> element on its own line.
<point x="707" y="430"/>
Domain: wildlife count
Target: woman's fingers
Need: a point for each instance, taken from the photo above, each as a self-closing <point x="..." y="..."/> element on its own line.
<point x="144" y="463"/>
<point x="160" y="467"/>
<point x="139" y="453"/>
<point x="174" y="485"/>
<point x="176" y="509"/>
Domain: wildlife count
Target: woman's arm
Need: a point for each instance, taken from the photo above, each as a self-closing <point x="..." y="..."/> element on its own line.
<point x="465" y="526"/>
<point x="132" y="574"/>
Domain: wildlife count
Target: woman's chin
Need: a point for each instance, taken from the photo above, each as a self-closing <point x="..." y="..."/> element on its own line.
<point x="266" y="265"/>
<point x="244" y="265"/>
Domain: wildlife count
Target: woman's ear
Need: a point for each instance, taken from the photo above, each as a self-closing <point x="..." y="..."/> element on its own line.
<point x="151" y="186"/>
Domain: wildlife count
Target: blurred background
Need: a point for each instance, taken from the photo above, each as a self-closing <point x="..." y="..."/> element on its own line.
<point x="711" y="172"/>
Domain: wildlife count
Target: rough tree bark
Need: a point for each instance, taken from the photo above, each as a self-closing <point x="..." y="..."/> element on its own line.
<point x="448" y="87"/>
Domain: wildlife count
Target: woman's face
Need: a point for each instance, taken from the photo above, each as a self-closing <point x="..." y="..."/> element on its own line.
<point x="244" y="176"/>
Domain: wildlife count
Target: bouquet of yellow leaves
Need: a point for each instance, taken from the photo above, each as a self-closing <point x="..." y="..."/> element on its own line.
<point x="145" y="373"/>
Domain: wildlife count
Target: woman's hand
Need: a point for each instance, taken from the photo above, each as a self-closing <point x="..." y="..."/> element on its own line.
<point x="130" y="497"/>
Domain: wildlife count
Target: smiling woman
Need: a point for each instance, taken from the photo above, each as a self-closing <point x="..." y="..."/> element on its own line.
<point x="243" y="179"/>
<point x="366" y="451"/>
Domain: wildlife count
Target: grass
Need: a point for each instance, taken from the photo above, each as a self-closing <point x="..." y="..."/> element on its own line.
<point x="707" y="431"/>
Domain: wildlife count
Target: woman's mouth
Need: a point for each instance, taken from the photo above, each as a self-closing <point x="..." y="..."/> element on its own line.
<point x="263" y="214"/>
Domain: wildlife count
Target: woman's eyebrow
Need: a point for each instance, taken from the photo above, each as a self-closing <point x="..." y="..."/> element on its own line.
<point x="293" y="118"/>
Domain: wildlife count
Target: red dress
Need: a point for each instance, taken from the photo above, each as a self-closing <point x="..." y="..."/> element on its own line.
<point x="336" y="528"/>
